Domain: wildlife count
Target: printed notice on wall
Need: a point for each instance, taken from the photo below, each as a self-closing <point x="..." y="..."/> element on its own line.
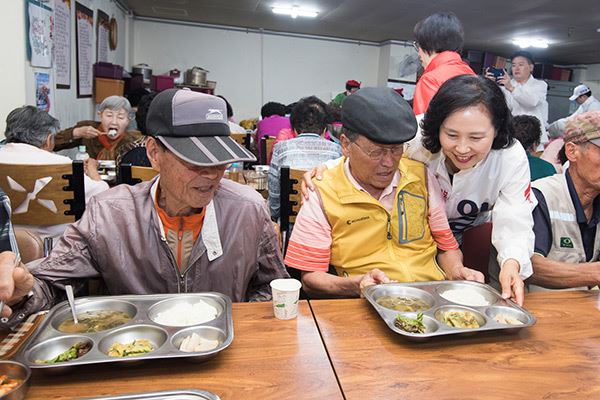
<point x="44" y="96"/>
<point x="40" y="34"/>
<point x="84" y="25"/>
<point x="102" y="32"/>
<point x="62" y="43"/>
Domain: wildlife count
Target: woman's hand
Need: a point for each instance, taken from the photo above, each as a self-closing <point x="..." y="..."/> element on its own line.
<point x="90" y="168"/>
<point x="511" y="283"/>
<point x="307" y="185"/>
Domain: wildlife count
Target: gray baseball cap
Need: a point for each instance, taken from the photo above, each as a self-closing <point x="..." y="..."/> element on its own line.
<point x="194" y="127"/>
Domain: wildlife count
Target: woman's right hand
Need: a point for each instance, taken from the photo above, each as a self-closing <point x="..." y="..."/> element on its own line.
<point x="307" y="185"/>
<point x="86" y="132"/>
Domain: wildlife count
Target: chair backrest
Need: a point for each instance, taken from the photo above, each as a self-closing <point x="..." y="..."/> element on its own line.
<point x="30" y="245"/>
<point x="242" y="139"/>
<point x="476" y="246"/>
<point x="132" y="174"/>
<point x="266" y="149"/>
<point x="290" y="198"/>
<point x="44" y="194"/>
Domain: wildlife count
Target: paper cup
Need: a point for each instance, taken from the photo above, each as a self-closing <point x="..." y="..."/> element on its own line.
<point x="285" y="297"/>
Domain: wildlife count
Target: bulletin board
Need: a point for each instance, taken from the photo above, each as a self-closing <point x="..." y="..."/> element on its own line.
<point x="84" y="38"/>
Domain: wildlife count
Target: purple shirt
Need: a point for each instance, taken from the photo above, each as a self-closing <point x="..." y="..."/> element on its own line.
<point x="270" y="126"/>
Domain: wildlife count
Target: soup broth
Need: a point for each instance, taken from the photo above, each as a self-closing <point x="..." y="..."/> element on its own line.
<point x="403" y="303"/>
<point x="95" y="321"/>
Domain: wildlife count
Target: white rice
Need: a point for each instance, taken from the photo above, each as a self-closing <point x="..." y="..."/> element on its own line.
<point x="185" y="314"/>
<point x="465" y="297"/>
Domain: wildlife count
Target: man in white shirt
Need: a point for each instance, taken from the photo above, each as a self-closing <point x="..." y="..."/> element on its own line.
<point x="583" y="96"/>
<point x="524" y="94"/>
<point x="30" y="140"/>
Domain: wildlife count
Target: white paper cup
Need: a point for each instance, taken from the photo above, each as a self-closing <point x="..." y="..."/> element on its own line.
<point x="285" y="297"/>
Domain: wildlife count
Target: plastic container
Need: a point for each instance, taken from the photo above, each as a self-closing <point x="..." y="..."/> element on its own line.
<point x="108" y="70"/>
<point x="82" y="154"/>
<point x="162" y="82"/>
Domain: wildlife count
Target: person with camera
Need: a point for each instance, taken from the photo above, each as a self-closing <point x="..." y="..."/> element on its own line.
<point x="524" y="94"/>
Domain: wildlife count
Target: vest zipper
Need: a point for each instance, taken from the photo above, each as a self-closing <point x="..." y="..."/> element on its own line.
<point x="389" y="227"/>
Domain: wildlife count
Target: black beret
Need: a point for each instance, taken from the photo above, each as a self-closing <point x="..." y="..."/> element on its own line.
<point x="380" y="114"/>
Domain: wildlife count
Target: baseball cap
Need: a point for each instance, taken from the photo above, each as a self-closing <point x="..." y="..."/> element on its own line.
<point x="584" y="128"/>
<point x="578" y="91"/>
<point x="353" y="84"/>
<point x="194" y="127"/>
<point x="380" y="114"/>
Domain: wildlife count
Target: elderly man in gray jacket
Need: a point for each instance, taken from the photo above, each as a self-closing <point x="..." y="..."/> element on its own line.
<point x="188" y="230"/>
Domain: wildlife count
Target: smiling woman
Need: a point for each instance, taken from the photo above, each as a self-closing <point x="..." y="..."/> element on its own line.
<point x="483" y="172"/>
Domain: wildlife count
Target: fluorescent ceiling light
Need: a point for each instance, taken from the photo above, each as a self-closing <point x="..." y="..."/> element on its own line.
<point x="295" y="11"/>
<point x="531" y="42"/>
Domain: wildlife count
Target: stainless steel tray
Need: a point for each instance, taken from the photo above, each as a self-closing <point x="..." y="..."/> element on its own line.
<point x="186" y="394"/>
<point x="431" y="293"/>
<point x="47" y="342"/>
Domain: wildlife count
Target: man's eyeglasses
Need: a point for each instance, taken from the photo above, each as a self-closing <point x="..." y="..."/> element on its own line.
<point x="415" y="45"/>
<point x="378" y="153"/>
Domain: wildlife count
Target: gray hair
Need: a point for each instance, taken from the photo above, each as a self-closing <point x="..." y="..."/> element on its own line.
<point x="116" y="103"/>
<point x="30" y="125"/>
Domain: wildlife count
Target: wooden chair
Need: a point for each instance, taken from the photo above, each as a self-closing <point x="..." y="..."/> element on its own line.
<point x="132" y="174"/>
<point x="242" y="139"/>
<point x="266" y="149"/>
<point x="44" y="194"/>
<point x="31" y="246"/>
<point x="290" y="199"/>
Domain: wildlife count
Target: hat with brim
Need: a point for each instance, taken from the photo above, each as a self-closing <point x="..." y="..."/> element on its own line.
<point x="194" y="127"/>
<point x="578" y="91"/>
<point x="583" y="128"/>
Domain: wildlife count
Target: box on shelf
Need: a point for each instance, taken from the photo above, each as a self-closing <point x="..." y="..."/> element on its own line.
<point x="162" y="82"/>
<point x="107" y="87"/>
<point x="108" y="70"/>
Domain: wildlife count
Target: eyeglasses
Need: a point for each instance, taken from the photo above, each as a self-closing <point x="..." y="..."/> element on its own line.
<point x="378" y="153"/>
<point x="415" y="45"/>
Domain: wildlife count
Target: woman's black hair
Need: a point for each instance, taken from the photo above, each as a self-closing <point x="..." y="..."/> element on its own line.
<point x="309" y="115"/>
<point x="459" y="93"/>
<point x="439" y="32"/>
<point x="228" y="106"/>
<point x="272" y="108"/>
<point x="528" y="130"/>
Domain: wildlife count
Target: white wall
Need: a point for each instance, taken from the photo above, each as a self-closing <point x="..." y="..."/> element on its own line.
<point x="591" y="77"/>
<point x="12" y="48"/>
<point x="252" y="68"/>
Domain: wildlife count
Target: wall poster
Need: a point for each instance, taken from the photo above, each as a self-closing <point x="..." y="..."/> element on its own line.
<point x="84" y="38"/>
<point x="39" y="32"/>
<point x="44" y="95"/>
<point x="62" y="43"/>
<point x="102" y="35"/>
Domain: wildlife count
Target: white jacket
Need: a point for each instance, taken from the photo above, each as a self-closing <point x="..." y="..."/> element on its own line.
<point x="20" y="153"/>
<point x="557" y="128"/>
<point x="497" y="188"/>
<point x="529" y="98"/>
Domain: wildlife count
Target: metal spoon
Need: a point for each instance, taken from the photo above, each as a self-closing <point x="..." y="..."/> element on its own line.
<point x="71" y="299"/>
<point x="15" y="265"/>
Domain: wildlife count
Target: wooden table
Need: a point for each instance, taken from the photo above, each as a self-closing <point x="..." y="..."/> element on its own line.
<point x="268" y="359"/>
<point x="558" y="358"/>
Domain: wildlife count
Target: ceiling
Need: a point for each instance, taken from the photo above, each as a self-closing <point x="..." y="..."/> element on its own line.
<point x="570" y="25"/>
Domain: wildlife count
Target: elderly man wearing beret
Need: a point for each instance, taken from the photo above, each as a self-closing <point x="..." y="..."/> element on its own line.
<point x="566" y="219"/>
<point x="376" y="216"/>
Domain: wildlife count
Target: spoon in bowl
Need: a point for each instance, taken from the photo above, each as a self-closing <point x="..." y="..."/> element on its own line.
<point x="71" y="299"/>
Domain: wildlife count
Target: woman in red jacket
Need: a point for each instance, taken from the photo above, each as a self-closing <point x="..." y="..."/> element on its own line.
<point x="438" y="40"/>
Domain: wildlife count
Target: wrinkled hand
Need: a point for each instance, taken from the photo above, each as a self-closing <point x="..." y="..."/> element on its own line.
<point x="463" y="273"/>
<point x="373" y="277"/>
<point x="86" y="132"/>
<point x="511" y="283"/>
<point x="307" y="185"/>
<point x="90" y="168"/>
<point x="15" y="283"/>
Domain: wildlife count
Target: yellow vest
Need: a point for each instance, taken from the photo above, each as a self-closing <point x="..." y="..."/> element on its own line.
<point x="366" y="236"/>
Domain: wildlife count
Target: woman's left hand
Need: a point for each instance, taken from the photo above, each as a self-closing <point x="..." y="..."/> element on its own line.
<point x="511" y="283"/>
